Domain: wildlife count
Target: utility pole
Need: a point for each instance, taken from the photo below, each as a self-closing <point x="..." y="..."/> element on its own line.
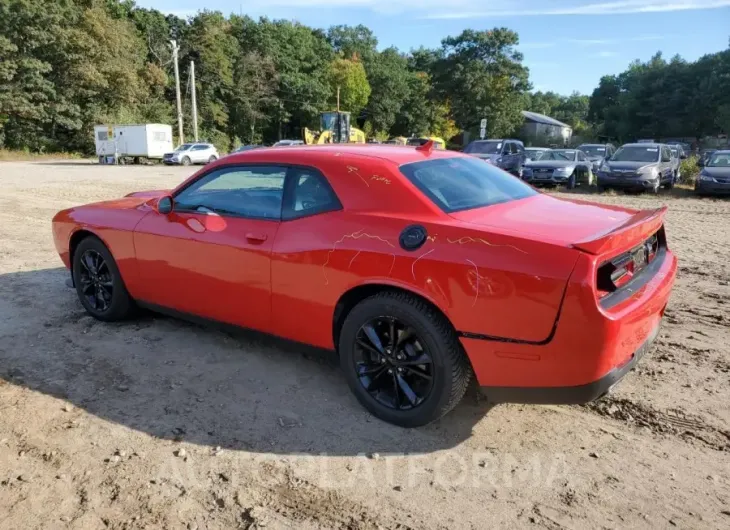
<point x="175" y="49"/>
<point x="195" y="103"/>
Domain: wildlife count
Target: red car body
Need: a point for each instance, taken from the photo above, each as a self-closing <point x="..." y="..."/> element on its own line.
<point x="518" y="281"/>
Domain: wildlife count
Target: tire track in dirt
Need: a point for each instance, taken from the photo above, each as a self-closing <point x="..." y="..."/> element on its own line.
<point x="672" y="423"/>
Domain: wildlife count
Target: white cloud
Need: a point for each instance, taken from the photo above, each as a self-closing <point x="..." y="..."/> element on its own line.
<point x="605" y="54"/>
<point x="603" y="42"/>
<point x="537" y="45"/>
<point x="574" y="7"/>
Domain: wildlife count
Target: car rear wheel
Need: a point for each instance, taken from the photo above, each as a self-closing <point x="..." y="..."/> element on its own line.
<point x="212" y="159"/>
<point x="402" y="359"/>
<point x="98" y="283"/>
<point x="185" y="161"/>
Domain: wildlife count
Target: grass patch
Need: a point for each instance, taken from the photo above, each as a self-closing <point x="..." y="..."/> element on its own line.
<point x="7" y="155"/>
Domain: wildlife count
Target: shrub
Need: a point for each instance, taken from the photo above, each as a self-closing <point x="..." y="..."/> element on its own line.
<point x="689" y="170"/>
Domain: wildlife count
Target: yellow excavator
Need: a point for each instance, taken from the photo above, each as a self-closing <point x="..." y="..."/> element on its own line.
<point x="335" y="129"/>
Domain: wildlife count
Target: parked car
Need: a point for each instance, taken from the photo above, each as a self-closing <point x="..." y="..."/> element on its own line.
<point x="705" y="156"/>
<point x="505" y="154"/>
<point x="597" y="153"/>
<point x="714" y="179"/>
<point x="677" y="157"/>
<point x="559" y="166"/>
<point x="639" y="166"/>
<point x="464" y="271"/>
<point x="194" y="153"/>
<point x="534" y="153"/>
<point x="244" y="148"/>
<point x="288" y="143"/>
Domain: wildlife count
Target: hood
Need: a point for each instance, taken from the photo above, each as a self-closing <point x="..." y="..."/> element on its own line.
<point x="549" y="219"/>
<point x="149" y="194"/>
<point x="595" y="158"/>
<point x="630" y="165"/>
<point x="550" y="163"/>
<point x="716" y="171"/>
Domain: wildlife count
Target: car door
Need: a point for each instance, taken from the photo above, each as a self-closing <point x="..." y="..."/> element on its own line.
<point x="312" y="224"/>
<point x="211" y="256"/>
<point x="506" y="156"/>
<point x="665" y="164"/>
<point x="198" y="153"/>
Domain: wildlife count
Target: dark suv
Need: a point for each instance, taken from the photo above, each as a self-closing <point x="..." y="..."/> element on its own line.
<point x="640" y="166"/>
<point x="597" y="153"/>
<point x="505" y="154"/>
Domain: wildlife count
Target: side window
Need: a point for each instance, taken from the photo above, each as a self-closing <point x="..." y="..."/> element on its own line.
<point x="581" y="156"/>
<point x="514" y="149"/>
<point x="199" y="147"/>
<point x="507" y="148"/>
<point x="245" y="191"/>
<point x="308" y="193"/>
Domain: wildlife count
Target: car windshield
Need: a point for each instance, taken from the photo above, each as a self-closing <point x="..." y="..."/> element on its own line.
<point x="484" y="148"/>
<point x="593" y="150"/>
<point x="184" y="147"/>
<point x="456" y="184"/>
<point x="559" y="154"/>
<point x="720" y="160"/>
<point x="534" y="154"/>
<point x="636" y="153"/>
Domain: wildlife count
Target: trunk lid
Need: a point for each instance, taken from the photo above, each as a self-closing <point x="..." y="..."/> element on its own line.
<point x="590" y="227"/>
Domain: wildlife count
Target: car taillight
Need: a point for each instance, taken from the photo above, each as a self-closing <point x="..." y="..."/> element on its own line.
<point x="619" y="271"/>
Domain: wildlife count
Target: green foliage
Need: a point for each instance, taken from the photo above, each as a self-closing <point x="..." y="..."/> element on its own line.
<point x="349" y="77"/>
<point x="68" y="65"/>
<point x="664" y="99"/>
<point x="689" y="170"/>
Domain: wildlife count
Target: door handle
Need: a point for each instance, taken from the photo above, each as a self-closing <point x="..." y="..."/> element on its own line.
<point x="256" y="238"/>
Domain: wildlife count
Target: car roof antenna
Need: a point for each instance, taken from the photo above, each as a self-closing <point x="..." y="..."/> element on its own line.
<point x="426" y="148"/>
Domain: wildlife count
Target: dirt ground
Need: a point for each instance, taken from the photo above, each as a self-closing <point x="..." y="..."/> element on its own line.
<point x="157" y="423"/>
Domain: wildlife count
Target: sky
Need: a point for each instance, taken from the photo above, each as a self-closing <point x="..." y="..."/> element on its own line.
<point x="567" y="44"/>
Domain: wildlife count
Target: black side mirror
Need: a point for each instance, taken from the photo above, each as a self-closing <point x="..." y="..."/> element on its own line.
<point x="683" y="156"/>
<point x="165" y="205"/>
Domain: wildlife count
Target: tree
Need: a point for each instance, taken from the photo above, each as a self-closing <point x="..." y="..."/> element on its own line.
<point x="348" y="77"/>
<point x="255" y="84"/>
<point x="482" y="76"/>
<point x="388" y="75"/>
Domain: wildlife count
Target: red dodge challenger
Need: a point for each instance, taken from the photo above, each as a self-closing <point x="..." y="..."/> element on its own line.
<point x="420" y="267"/>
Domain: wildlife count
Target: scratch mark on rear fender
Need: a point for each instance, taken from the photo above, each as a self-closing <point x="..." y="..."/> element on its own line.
<point x="467" y="239"/>
<point x="476" y="293"/>
<point x="413" y="265"/>
<point x="431" y="238"/>
<point x="355" y="171"/>
<point x="390" y="271"/>
<point x="359" y="234"/>
<point x="380" y="179"/>
<point x="353" y="258"/>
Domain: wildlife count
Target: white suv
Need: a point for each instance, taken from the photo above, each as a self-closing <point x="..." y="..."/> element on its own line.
<point x="195" y="153"/>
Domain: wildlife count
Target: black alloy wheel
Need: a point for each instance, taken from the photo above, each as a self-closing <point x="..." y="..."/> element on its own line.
<point x="392" y="364"/>
<point x="95" y="280"/>
<point x="402" y="359"/>
<point x="98" y="282"/>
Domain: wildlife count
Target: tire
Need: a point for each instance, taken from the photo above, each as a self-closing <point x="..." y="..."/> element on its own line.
<point x="669" y="185"/>
<point x="601" y="189"/>
<point x="449" y="367"/>
<point x="185" y="161"/>
<point x="118" y="304"/>
<point x="212" y="159"/>
<point x="101" y="160"/>
<point x="572" y="181"/>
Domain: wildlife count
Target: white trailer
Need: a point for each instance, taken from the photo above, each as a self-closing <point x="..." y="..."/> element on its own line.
<point x="151" y="140"/>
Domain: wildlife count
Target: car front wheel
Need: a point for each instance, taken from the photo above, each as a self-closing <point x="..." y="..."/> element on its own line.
<point x="98" y="283"/>
<point x="402" y="359"/>
<point x="185" y="161"/>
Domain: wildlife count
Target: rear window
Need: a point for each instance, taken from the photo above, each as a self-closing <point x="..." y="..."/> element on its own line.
<point x="457" y="184"/>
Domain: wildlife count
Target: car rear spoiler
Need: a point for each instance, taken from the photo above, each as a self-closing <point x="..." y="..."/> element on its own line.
<point x="636" y="229"/>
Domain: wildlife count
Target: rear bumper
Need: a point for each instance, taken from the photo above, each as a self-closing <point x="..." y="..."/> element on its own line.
<point x="569" y="395"/>
<point x="591" y="348"/>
